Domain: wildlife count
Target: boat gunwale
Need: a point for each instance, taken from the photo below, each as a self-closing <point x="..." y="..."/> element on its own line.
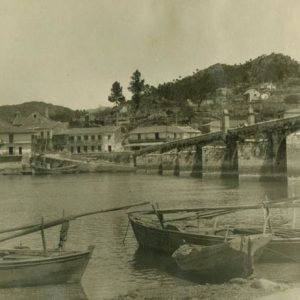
<point x="40" y="260"/>
<point x="177" y="232"/>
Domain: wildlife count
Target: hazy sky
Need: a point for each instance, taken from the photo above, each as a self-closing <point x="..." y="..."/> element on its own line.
<point x="69" y="52"/>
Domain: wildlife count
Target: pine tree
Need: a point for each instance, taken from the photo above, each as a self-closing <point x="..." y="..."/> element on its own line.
<point x="116" y="95"/>
<point x="136" y="87"/>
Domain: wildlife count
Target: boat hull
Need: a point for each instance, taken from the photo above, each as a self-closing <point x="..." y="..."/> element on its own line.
<point x="166" y="240"/>
<point x="227" y="260"/>
<point x="64" y="268"/>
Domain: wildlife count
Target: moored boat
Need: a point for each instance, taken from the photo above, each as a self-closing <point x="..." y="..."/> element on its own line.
<point x="41" y="170"/>
<point x="228" y="259"/>
<point x="149" y="234"/>
<point x="155" y="232"/>
<point x="25" y="267"/>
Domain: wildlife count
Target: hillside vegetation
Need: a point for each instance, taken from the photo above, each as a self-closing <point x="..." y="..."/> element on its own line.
<point x="173" y="99"/>
<point x="56" y="112"/>
<point x="266" y="68"/>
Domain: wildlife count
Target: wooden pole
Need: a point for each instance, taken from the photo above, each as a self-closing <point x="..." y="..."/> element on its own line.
<point x="159" y="216"/>
<point x="294" y="216"/>
<point x="283" y="203"/>
<point x="43" y="238"/>
<point x="27" y="229"/>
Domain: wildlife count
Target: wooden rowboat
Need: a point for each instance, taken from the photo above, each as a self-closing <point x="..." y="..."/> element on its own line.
<point x="155" y="232"/>
<point x="229" y="259"/>
<point x="149" y="234"/>
<point x="25" y="267"/>
<point x="40" y="170"/>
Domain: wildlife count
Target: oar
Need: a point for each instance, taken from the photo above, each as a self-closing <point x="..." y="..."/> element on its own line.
<point x="288" y="203"/>
<point x="26" y="229"/>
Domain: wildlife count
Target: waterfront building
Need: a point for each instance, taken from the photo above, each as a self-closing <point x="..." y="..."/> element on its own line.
<point x="88" y="140"/>
<point x="15" y="141"/>
<point x="42" y="127"/>
<point x="142" y="137"/>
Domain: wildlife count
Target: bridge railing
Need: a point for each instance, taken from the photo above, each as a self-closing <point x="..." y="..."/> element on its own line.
<point x="209" y="138"/>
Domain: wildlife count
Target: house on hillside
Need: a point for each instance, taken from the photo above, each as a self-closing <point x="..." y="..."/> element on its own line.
<point x="88" y="140"/>
<point x="252" y="95"/>
<point x="142" y="137"/>
<point x="265" y="95"/>
<point x="268" y="86"/>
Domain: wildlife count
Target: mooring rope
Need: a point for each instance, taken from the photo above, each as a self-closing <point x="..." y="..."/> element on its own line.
<point x="126" y="233"/>
<point x="283" y="255"/>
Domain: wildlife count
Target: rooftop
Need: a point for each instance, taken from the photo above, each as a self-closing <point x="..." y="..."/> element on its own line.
<point x="102" y="129"/>
<point x="165" y="128"/>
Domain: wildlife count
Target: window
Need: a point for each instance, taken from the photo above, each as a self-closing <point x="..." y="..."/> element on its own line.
<point x="72" y="149"/>
<point x="85" y="148"/>
<point x="10" y="150"/>
<point x="86" y="137"/>
<point x="92" y="148"/>
<point x="174" y="135"/>
<point x="99" y="148"/>
<point x="11" y="138"/>
<point x="139" y="136"/>
<point x="157" y="135"/>
<point x="71" y="138"/>
<point x="20" y="150"/>
<point x="99" y="137"/>
<point x="48" y="134"/>
<point x="109" y="148"/>
<point x="92" y="137"/>
<point x="78" y="149"/>
<point x="42" y="134"/>
<point x="109" y="137"/>
<point x="79" y="138"/>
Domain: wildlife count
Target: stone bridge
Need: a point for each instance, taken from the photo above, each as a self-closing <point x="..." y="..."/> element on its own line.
<point x="262" y="145"/>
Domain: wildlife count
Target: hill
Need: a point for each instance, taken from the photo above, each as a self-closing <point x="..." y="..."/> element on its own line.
<point x="266" y="68"/>
<point x="204" y="85"/>
<point x="56" y="112"/>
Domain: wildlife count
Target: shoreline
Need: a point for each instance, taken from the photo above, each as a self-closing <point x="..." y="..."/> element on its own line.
<point x="239" y="290"/>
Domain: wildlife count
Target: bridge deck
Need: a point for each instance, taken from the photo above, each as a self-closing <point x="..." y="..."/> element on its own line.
<point x="208" y="138"/>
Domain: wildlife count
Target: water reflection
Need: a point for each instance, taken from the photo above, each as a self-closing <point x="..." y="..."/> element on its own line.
<point x="57" y="292"/>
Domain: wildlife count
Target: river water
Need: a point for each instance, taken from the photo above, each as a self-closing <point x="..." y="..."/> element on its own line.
<point x="118" y="267"/>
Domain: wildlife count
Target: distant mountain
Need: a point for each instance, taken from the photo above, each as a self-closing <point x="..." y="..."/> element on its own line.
<point x="55" y="112"/>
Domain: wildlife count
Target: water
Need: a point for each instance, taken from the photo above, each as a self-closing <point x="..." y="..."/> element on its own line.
<point x="117" y="268"/>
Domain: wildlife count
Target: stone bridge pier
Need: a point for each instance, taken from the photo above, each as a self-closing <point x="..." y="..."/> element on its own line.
<point x="265" y="157"/>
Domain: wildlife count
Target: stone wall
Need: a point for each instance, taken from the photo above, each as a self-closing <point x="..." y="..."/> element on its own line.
<point x="252" y="158"/>
<point x="213" y="160"/>
<point x="293" y="154"/>
<point x="183" y="163"/>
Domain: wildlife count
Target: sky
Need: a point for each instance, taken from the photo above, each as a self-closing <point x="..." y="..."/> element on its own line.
<point x="70" y="52"/>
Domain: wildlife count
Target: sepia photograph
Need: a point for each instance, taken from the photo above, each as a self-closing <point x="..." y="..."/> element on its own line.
<point x="150" y="150"/>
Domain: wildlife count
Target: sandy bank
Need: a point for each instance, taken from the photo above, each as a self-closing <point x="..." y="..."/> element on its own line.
<point x="226" y="291"/>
